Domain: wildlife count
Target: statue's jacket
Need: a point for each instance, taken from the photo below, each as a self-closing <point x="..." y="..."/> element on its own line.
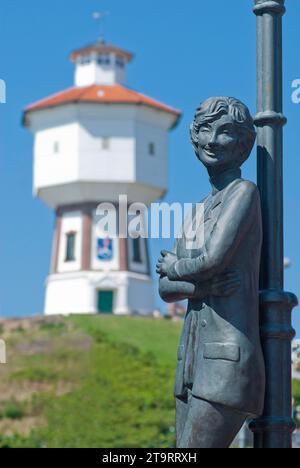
<point x="220" y="357"/>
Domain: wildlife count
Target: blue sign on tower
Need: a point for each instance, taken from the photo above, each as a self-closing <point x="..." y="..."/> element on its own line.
<point x="105" y="249"/>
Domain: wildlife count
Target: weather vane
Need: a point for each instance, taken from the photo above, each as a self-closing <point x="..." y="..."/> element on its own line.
<point x="100" y="16"/>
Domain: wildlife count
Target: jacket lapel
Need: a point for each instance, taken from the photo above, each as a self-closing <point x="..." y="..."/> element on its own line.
<point x="214" y="202"/>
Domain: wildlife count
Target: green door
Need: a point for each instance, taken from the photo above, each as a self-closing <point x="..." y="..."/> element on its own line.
<point x="105" y="302"/>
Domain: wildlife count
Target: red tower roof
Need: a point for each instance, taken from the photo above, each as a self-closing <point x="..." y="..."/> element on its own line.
<point x="100" y="94"/>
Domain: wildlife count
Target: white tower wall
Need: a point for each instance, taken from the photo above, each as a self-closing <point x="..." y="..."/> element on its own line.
<point x="77" y="293"/>
<point x="107" y="144"/>
<point x="86" y="152"/>
<point x="88" y="71"/>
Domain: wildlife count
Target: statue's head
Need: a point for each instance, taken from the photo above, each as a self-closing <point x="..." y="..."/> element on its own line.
<point x="222" y="133"/>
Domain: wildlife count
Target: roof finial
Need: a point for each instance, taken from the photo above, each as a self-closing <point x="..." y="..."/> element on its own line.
<point x="100" y="16"/>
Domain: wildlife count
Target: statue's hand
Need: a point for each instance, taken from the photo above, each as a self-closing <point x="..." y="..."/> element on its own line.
<point x="226" y="284"/>
<point x="165" y="262"/>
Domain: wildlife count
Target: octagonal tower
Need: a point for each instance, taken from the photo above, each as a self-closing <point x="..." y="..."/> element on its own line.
<point x="94" y="142"/>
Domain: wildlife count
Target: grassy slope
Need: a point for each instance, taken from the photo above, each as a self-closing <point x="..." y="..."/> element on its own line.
<point x="91" y="381"/>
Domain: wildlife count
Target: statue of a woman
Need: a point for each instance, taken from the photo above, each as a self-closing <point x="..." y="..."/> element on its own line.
<point x="220" y="378"/>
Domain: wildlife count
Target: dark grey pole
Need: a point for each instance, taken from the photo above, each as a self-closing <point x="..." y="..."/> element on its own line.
<point x="274" y="429"/>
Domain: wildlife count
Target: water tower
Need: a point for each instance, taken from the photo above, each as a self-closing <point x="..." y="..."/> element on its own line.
<point x="93" y="142"/>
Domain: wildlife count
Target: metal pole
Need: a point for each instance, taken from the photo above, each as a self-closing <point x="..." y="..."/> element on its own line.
<point x="274" y="429"/>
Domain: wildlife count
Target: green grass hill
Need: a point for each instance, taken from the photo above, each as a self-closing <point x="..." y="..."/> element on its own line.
<point x="88" y="381"/>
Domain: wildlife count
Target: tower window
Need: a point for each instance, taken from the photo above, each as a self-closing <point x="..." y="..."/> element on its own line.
<point x="103" y="60"/>
<point x="151" y="149"/>
<point x="120" y="63"/>
<point x="137" y="254"/>
<point x="85" y="60"/>
<point x="56" y="147"/>
<point x="70" y="246"/>
<point x="105" y="143"/>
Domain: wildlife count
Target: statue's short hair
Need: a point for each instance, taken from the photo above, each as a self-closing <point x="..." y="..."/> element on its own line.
<point x="213" y="108"/>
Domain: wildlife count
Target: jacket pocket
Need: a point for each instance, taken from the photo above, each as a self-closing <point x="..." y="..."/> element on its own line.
<point x="222" y="351"/>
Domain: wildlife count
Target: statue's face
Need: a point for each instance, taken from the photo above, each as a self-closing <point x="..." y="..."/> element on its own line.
<point x="218" y="143"/>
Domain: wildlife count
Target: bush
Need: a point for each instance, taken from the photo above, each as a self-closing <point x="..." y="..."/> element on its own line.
<point x="13" y="411"/>
<point x="296" y="400"/>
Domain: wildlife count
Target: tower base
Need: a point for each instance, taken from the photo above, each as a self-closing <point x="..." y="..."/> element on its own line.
<point x="88" y="292"/>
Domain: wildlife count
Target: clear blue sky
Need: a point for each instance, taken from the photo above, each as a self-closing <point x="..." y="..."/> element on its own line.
<point x="185" y="52"/>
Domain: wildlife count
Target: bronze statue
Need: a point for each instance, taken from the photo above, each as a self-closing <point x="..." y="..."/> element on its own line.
<point x="220" y="378"/>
